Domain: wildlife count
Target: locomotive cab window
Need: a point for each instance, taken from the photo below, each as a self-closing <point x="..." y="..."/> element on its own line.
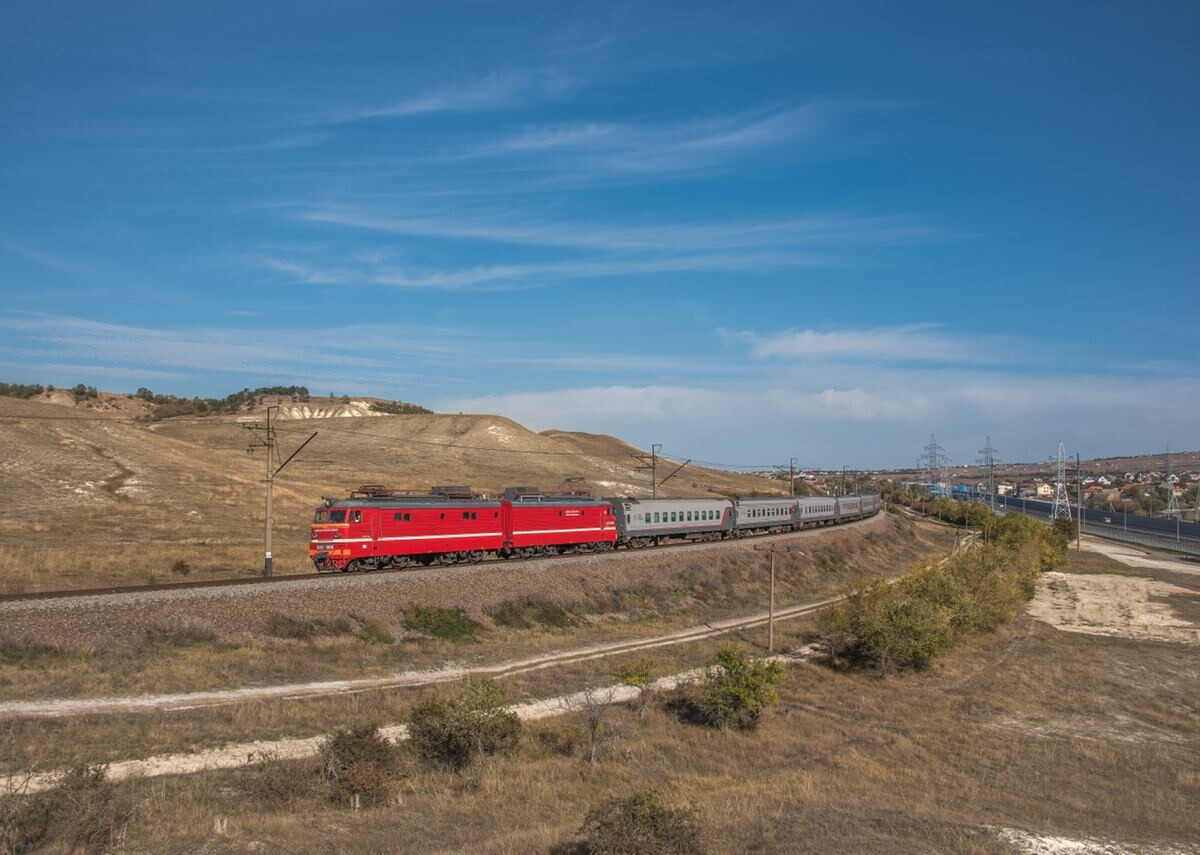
<point x="356" y="517"/>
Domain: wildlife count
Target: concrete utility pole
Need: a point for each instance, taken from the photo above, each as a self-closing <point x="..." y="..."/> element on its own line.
<point x="771" y="600"/>
<point x="650" y="461"/>
<point x="268" y="442"/>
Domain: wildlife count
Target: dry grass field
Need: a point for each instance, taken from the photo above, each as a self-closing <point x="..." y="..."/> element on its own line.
<point x="1076" y="728"/>
<point x="1036" y="738"/>
<point x="1032" y="739"/>
<point x="93" y="496"/>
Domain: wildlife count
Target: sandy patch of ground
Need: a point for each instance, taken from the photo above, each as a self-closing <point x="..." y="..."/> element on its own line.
<point x="1045" y="844"/>
<point x="1112" y="727"/>
<point x="1131" y="556"/>
<point x="1117" y="606"/>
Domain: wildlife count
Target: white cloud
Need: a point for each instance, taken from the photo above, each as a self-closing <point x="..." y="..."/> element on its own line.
<point x="914" y="342"/>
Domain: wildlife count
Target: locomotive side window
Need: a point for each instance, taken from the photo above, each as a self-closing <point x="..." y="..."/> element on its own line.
<point x="357" y="517"/>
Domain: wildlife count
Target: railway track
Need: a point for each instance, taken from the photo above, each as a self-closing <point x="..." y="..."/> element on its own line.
<point x="315" y="577"/>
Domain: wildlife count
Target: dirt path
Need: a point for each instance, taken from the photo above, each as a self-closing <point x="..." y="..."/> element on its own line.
<point x="57" y="707"/>
<point x="299" y="748"/>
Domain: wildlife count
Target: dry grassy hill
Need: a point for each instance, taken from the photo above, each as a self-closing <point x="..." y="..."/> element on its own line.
<point x="97" y="494"/>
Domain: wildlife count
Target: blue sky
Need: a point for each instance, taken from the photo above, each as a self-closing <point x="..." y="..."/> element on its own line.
<point x="812" y="230"/>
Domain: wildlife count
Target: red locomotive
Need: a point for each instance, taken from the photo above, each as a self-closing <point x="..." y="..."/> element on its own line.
<point x="376" y="528"/>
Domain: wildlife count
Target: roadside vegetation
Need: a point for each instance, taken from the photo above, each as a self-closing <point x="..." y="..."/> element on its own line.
<point x="907" y="624"/>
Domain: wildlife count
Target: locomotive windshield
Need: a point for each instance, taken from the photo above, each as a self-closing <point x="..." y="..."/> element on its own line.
<point x="330" y="516"/>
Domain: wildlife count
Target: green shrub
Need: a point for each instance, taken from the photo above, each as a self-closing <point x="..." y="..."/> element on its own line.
<point x="640" y="825"/>
<point x="397" y="408"/>
<point x="885" y="626"/>
<point x="735" y="691"/>
<point x="453" y="730"/>
<point x="639" y="675"/>
<point x="358" y="765"/>
<point x="923" y="615"/>
<point x="447" y="624"/>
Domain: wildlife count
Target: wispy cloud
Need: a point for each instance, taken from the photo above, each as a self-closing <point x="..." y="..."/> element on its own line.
<point x="665" y="147"/>
<point x="915" y="342"/>
<point x="537" y="274"/>
<point x="836" y="230"/>
<point x="37" y="256"/>
<point x="493" y="91"/>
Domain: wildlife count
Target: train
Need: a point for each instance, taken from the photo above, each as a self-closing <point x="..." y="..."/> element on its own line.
<point x="379" y="529"/>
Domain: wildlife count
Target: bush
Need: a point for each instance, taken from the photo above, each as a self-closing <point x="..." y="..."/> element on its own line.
<point x="640" y="825"/>
<point x="181" y="568"/>
<point x="374" y="632"/>
<point x="357" y="764"/>
<point x="25" y="653"/>
<point x="922" y="616"/>
<point x="639" y="675"/>
<point x="272" y="784"/>
<point x="397" y="408"/>
<point x="454" y="730"/>
<point x="884" y="626"/>
<point x="447" y="624"/>
<point x="737" y="688"/>
<point x="180" y="633"/>
<point x="25" y="822"/>
<point x="284" y="626"/>
<point x="90" y="814"/>
<point x="523" y="615"/>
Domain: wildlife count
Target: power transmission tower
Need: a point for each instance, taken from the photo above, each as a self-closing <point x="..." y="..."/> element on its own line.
<point x="1062" y="499"/>
<point x="268" y="442"/>
<point x="989" y="460"/>
<point x="934" y="460"/>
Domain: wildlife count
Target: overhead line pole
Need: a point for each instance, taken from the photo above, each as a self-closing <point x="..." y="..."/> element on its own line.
<point x="272" y="450"/>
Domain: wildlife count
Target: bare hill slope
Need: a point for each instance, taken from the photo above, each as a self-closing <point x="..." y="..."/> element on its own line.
<point x="94" y="494"/>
